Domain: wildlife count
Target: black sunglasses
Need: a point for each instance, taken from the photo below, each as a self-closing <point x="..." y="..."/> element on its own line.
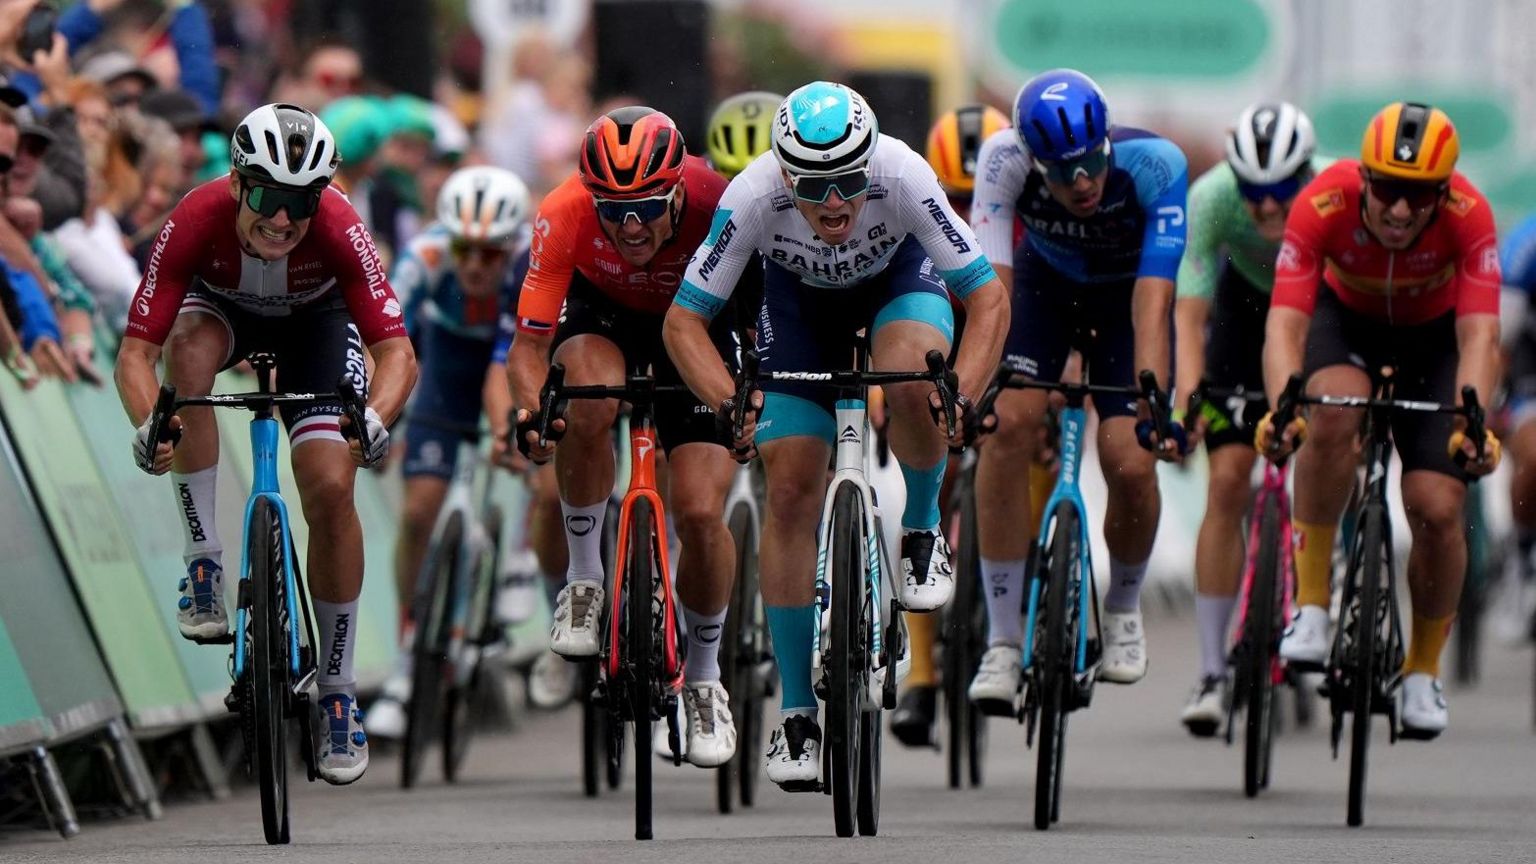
<point x="267" y="200"/>
<point x="1418" y="194"/>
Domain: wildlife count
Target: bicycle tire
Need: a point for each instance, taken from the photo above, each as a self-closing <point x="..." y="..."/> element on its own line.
<point x="1363" y="677"/>
<point x="640" y="593"/>
<point x="845" y="663"/>
<point x="463" y="703"/>
<point x="433" y="612"/>
<point x="750" y="731"/>
<point x="1473" y="600"/>
<point x="738" y="661"/>
<point x="1259" y="652"/>
<point x="594" y="732"/>
<point x="269" y="668"/>
<point x="870" y="733"/>
<point x="964" y="637"/>
<point x="1056" y="664"/>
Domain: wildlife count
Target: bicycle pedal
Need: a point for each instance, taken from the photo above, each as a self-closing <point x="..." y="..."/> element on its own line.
<point x="225" y="638"/>
<point x="802" y="786"/>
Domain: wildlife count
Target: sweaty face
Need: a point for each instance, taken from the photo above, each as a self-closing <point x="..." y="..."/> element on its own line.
<point x="832" y="219"/>
<point x="267" y="237"/>
<point x="1397" y="219"/>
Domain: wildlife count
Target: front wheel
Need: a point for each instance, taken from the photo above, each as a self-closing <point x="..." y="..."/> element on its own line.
<point x="269" y="673"/>
<point x="430" y="672"/>
<point x="466" y="698"/>
<point x="1257" y="668"/>
<point x="1363" y="674"/>
<point x="740" y="650"/>
<point x="847" y="662"/>
<point x="1056" y="663"/>
<point x="639" y="651"/>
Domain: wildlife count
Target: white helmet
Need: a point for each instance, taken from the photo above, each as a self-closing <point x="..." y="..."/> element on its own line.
<point x="1271" y="142"/>
<point x="824" y="128"/>
<point x="284" y="144"/>
<point x="483" y="204"/>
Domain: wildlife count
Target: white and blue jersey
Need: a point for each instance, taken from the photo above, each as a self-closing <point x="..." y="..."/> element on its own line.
<point x="1139" y="226"/>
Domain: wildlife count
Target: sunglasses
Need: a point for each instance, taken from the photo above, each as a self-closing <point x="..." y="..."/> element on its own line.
<point x="462" y="249"/>
<point x="338" y="82"/>
<point x="1064" y="172"/>
<point x="267" y="200"/>
<point x="1417" y="194"/>
<point x="642" y="209"/>
<point x="1281" y="190"/>
<point x="815" y="190"/>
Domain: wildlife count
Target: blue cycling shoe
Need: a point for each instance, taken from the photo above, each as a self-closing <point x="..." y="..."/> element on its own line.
<point x="341" y="743"/>
<point x="200" y="611"/>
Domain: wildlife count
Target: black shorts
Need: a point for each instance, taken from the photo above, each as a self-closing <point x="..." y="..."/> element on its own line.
<point x="313" y="345"/>
<point x="680" y="417"/>
<point x="1424" y="356"/>
<point x="1234" y="357"/>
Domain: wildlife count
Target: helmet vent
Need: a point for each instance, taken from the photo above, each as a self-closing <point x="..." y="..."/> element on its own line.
<point x="1066" y="128"/>
<point x="1088" y="125"/>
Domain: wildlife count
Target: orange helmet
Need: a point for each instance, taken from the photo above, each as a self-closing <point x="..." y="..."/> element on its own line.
<point x="955" y="140"/>
<point x="1411" y="141"/>
<point x="631" y="152"/>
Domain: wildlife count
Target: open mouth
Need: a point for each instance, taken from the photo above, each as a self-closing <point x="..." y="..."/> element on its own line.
<point x="834" y="224"/>
<point x="273" y="235"/>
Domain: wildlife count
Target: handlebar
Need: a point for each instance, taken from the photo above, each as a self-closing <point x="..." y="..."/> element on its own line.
<point x="355" y="409"/>
<point x="167" y="404"/>
<point x="938" y="373"/>
<point x="555" y="396"/>
<point x="1006" y="378"/>
<point x="1470" y="408"/>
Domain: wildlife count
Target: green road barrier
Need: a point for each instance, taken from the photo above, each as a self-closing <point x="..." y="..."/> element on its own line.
<point x="21" y="719"/>
<point x="89" y="535"/>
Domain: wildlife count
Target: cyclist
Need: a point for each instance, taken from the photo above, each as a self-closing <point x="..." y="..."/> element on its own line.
<point x="846" y="219"/>
<point x="1103" y="211"/>
<point x="456" y="279"/>
<point x="1517" y="262"/>
<point x="740" y="130"/>
<point x="954" y="141"/>
<point x="272" y="260"/>
<point x="611" y="244"/>
<point x="1236" y="219"/>
<point x="1391" y="259"/>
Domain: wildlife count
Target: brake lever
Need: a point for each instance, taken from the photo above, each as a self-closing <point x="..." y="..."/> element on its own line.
<point x="1476" y="428"/>
<point x="550" y="403"/>
<point x="947" y="383"/>
<point x="352" y="406"/>
<point x="160" y="430"/>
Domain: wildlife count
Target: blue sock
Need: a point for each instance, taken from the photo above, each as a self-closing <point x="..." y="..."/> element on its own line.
<point x="792" y="628"/>
<point x="922" y="510"/>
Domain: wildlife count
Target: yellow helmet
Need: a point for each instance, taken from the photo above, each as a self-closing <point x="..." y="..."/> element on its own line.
<point x="1411" y="141"/>
<point x="740" y="130"/>
<point x="955" y="140"/>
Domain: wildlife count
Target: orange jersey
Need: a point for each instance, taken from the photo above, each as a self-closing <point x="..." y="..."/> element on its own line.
<point x="567" y="239"/>
<point x="1454" y="263"/>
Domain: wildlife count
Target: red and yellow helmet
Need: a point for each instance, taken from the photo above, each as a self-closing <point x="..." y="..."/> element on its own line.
<point x="631" y="152"/>
<point x="1411" y="141"/>
<point x="955" y="140"/>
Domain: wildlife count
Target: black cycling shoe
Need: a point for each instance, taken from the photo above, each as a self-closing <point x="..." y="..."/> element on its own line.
<point x="913" y="720"/>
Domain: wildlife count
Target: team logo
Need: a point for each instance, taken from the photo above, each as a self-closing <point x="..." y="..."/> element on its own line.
<point x="580" y="525"/>
<point x="1329" y="202"/>
<point x="392" y="308"/>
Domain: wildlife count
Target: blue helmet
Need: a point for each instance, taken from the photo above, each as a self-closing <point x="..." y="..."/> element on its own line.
<point x="1061" y="114"/>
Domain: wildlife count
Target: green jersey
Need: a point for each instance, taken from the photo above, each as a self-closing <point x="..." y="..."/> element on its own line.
<point x="1220" y="227"/>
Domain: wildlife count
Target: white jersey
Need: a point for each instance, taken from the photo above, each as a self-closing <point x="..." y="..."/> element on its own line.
<point x="757" y="214"/>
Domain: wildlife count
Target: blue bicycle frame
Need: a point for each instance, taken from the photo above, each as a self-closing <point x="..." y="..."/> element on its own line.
<point x="1074" y="422"/>
<point x="264" y="485"/>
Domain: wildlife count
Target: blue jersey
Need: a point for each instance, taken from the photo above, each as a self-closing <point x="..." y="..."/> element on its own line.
<point x="1138" y="228"/>
<point x="1517" y="257"/>
<point x="429" y="289"/>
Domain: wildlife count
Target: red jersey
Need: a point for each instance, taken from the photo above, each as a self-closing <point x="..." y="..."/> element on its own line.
<point x="567" y="239"/>
<point x="198" y="241"/>
<point x="1454" y="263"/>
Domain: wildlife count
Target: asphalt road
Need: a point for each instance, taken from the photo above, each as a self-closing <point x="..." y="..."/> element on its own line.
<point x="1139" y="789"/>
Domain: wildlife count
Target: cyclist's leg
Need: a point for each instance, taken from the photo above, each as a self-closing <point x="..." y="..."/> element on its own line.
<point x="914" y="318"/>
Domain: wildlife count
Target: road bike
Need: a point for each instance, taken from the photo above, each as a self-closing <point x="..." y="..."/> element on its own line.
<point x="273" y="659"/>
<point x="746" y="663"/>
<point x="963" y="639"/>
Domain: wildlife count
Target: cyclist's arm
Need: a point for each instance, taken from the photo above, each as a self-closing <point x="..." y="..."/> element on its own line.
<point x="137" y="385"/>
<point x="707" y="287"/>
<point x="686" y="334"/>
<point x="1298" y="278"/>
<point x="155" y="305"/>
<point x="1161" y="175"/>
<point x="1198" y="271"/>
<point x="1285" y="342"/>
<point x="1151" y="303"/>
<point x="394" y="376"/>
<point x="1190" y="315"/>
<point x="1477" y="351"/>
<point x="527" y="367"/>
<point x="1477" y="302"/>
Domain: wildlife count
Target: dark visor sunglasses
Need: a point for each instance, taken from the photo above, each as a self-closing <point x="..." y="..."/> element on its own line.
<point x="1281" y="190"/>
<point x="1419" y="195"/>
<point x="462" y="249"/>
<point x="815" y="190"/>
<point x="643" y="209"/>
<point x="267" y="200"/>
<point x="1064" y="172"/>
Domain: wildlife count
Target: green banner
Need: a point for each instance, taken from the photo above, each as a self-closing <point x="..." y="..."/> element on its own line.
<point x="98" y="551"/>
<point x="21" y="718"/>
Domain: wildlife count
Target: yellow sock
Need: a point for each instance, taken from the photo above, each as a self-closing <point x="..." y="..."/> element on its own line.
<point x="1314" y="562"/>
<point x="922" y="627"/>
<point x="1041" y="484"/>
<point x="1427" y="644"/>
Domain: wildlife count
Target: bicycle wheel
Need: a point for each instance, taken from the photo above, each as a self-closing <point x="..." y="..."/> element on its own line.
<point x="640" y="593"/>
<point x="1056" y="664"/>
<point x="268" y="656"/>
<point x="846" y="661"/>
<point x="1257" y="666"/>
<point x="870" y="732"/>
<point x="1363" y="673"/>
<point x="462" y="703"/>
<point x="430" y="678"/>
<point x="594" y="730"/>
<point x="962" y="651"/>
<point x="738" y="664"/>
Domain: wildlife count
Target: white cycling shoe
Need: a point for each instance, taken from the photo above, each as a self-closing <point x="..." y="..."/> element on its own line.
<point x="577" y="612"/>
<point x="1424" y="711"/>
<point x="927" y="579"/>
<point x="1306" y="641"/>
<point x="793" y="760"/>
<point x="552" y="682"/>
<point x="1125" y="648"/>
<point x="386" y="716"/>
<point x="996" y="685"/>
<point x="711" y="731"/>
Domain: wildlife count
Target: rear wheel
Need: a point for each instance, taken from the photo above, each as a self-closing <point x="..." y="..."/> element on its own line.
<point x="964" y="635"/>
<point x="433" y="613"/>
<point x="464" y="702"/>
<point x="1258" y="666"/>
<point x="739" y="650"/>
<point x="1056" y="664"/>
<point x="638" y="657"/>
<point x="1363" y="675"/>
<point x="268" y="655"/>
<point x="846" y="661"/>
<point x="869" y="773"/>
<point x="594" y="730"/>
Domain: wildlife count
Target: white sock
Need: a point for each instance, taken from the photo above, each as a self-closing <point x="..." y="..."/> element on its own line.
<point x="704" y="632"/>
<point x="196" y="494"/>
<point x="1124" y="594"/>
<point x="584" y="536"/>
<point x="337" y="635"/>
<point x="1004" y="583"/>
<point x="1213" y="613"/>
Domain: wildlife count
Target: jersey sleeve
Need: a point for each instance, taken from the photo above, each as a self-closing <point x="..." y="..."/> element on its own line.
<point x="168" y="273"/>
<point x="1517" y="258"/>
<point x="551" y="263"/>
<point x="1299" y="263"/>
<point x="1161" y="174"/>
<point x="947" y="239"/>
<point x="1003" y="167"/>
<point x="717" y="263"/>
<point x="1201" y="264"/>
<point x="1477" y="267"/>
<point x="359" y="272"/>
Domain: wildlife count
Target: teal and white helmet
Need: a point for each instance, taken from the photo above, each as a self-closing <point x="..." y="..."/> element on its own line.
<point x="824" y="128"/>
